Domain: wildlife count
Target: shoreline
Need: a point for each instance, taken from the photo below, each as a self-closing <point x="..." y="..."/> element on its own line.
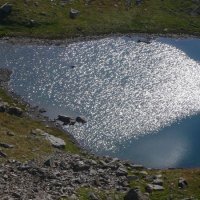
<point x="66" y="41"/>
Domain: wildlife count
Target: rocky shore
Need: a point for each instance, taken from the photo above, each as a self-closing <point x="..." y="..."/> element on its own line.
<point x="67" y="41"/>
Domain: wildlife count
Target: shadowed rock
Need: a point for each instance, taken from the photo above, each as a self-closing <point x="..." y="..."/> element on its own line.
<point x="135" y="194"/>
<point x="73" y="13"/>
<point x="5" y="74"/>
<point x="5" y="10"/>
<point x="15" y="111"/>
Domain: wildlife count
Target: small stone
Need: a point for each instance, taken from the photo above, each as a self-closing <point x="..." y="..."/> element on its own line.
<point x="182" y="183"/>
<point x="81" y="119"/>
<point x="73" y="13"/>
<point x="135" y="194"/>
<point x="2" y="154"/>
<point x="158" y="182"/>
<point x="10" y="133"/>
<point x="121" y="172"/>
<point x="73" y="197"/>
<point x="15" y="111"/>
<point x="5" y="145"/>
<point x="151" y="187"/>
<point x="16" y="195"/>
<point x="93" y="172"/>
<point x="3" y="106"/>
<point x="42" y="110"/>
<point x="144" y="173"/>
<point x="49" y="162"/>
<point x="92" y="196"/>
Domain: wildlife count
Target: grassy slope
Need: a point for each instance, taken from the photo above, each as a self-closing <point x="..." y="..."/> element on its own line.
<point x="99" y="17"/>
<point x="26" y="146"/>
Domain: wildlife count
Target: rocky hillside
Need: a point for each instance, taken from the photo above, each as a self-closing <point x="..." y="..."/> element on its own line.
<point x="72" y="18"/>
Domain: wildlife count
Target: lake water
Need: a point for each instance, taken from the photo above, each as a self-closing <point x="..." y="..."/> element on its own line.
<point x="141" y="100"/>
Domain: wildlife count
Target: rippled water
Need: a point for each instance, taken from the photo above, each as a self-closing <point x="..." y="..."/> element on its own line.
<point x="125" y="89"/>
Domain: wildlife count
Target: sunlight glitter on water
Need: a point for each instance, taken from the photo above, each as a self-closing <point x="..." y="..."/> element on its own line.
<point x="125" y="89"/>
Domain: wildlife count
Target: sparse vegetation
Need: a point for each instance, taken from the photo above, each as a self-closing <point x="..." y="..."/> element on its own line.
<point x="50" y="19"/>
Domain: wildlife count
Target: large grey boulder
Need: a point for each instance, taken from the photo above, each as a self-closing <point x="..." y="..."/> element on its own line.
<point x="135" y="194"/>
<point x="55" y="141"/>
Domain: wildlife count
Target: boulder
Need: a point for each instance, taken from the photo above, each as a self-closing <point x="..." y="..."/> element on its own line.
<point x="79" y="166"/>
<point x="72" y="121"/>
<point x="195" y="12"/>
<point x="144" y="40"/>
<point x="65" y="119"/>
<point x="42" y="110"/>
<point x="138" y="2"/>
<point x="3" y="106"/>
<point x="5" y="74"/>
<point x="121" y="172"/>
<point x="55" y="141"/>
<point x="135" y="194"/>
<point x="81" y="119"/>
<point x="158" y="182"/>
<point x="5" y="10"/>
<point x="5" y="145"/>
<point x="49" y="162"/>
<point x="15" y="111"/>
<point x="182" y="183"/>
<point x="151" y="187"/>
<point x="2" y="154"/>
<point x="92" y="196"/>
<point x="73" y="13"/>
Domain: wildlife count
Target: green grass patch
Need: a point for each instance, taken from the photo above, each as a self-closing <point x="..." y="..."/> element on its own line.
<point x="99" y="17"/>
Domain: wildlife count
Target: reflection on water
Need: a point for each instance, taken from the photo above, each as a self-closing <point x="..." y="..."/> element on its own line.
<point x="125" y="90"/>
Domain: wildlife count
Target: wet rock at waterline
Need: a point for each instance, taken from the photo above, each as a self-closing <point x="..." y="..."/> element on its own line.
<point x="5" y="75"/>
<point x="144" y="40"/>
<point x="71" y="120"/>
<point x="81" y="119"/>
